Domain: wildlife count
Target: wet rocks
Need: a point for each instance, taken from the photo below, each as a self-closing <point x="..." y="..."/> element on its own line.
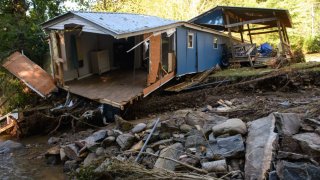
<point x="9" y="146"/>
<point x="53" y="155"/>
<point x="297" y="171"/>
<point x="71" y="165"/>
<point x="259" y="147"/>
<point x="195" y="140"/>
<point x="309" y="143"/>
<point x="172" y="152"/>
<point x="53" y="140"/>
<point x="289" y="123"/>
<point x="231" y="126"/>
<point x="138" y="128"/>
<point x="231" y="146"/>
<point x="125" y="141"/>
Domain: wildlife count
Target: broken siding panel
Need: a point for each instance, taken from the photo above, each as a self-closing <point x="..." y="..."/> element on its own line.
<point x="87" y="27"/>
<point x="30" y="73"/>
<point x="155" y="57"/>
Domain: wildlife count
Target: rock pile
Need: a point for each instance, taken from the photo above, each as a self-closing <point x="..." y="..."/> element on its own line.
<point x="281" y="145"/>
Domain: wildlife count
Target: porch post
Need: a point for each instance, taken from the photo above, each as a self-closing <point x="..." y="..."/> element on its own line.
<point x="230" y="35"/>
<point x="249" y="33"/>
<point x="280" y="36"/>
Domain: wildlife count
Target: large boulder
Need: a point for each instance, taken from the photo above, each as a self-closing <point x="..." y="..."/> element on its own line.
<point x="172" y="152"/>
<point x="288" y="123"/>
<point x="89" y="159"/>
<point x="231" y="146"/>
<point x="297" y="171"/>
<point x="231" y="126"/>
<point x="309" y="143"/>
<point x="125" y="141"/>
<point x="9" y="146"/>
<point x="259" y="147"/>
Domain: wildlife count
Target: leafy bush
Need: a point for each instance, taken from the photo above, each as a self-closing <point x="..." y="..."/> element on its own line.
<point x="14" y="91"/>
<point x="298" y="56"/>
<point x="312" y="44"/>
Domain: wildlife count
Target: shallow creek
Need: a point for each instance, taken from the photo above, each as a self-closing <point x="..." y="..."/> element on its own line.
<point x="29" y="162"/>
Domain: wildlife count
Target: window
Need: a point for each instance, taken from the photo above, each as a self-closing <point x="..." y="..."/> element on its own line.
<point x="215" y="43"/>
<point x="190" y="40"/>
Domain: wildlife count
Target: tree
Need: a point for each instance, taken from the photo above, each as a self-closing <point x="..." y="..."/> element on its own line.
<point x="20" y="26"/>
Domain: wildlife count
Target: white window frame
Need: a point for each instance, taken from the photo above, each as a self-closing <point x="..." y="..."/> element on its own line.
<point x="192" y="40"/>
<point x="215" y="42"/>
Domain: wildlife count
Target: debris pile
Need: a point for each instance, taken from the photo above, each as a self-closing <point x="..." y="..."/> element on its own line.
<point x="194" y="144"/>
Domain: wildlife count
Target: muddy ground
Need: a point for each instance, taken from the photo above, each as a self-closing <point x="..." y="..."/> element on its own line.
<point x="258" y="96"/>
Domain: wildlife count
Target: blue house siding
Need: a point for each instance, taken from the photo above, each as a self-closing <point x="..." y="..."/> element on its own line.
<point x="186" y="57"/>
<point x="201" y="57"/>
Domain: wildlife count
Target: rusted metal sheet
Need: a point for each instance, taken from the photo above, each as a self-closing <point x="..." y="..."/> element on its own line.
<point x="30" y="73"/>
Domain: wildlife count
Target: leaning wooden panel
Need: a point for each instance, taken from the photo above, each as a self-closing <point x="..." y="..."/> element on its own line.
<point x="155" y="57"/>
<point x="30" y="73"/>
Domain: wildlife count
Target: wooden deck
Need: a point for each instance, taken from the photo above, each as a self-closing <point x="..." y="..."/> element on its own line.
<point x="116" y="88"/>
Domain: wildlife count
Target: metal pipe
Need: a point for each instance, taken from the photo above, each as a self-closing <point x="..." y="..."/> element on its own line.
<point x="145" y="143"/>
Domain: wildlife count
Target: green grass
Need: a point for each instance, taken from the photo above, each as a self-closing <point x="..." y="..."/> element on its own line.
<point x="250" y="72"/>
<point x="242" y="72"/>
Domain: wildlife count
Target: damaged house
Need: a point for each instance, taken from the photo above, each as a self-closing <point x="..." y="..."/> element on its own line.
<point x="115" y="58"/>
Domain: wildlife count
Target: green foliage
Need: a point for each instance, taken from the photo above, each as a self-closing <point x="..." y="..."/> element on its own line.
<point x="312" y="44"/>
<point x="14" y="91"/>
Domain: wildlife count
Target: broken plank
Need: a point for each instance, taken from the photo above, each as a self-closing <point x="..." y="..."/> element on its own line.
<point x="194" y="81"/>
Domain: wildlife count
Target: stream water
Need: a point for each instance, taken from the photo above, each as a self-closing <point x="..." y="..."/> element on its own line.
<point x="29" y="163"/>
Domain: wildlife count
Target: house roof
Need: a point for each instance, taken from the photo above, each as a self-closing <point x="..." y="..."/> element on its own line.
<point x="245" y="13"/>
<point x="115" y="24"/>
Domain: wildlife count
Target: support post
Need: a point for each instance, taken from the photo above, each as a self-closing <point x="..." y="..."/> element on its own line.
<point x="280" y="36"/>
<point x="241" y="34"/>
<point x="230" y="35"/>
<point x="249" y="33"/>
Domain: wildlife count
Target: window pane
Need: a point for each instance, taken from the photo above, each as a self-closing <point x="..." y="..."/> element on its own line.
<point x="190" y="40"/>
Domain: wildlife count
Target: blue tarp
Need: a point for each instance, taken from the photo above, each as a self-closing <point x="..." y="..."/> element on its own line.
<point x="265" y="49"/>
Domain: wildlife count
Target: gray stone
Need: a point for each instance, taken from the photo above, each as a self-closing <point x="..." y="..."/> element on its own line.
<point x="173" y="152"/>
<point x="95" y="137"/>
<point x="259" y="147"/>
<point x="108" y="141"/>
<point x="138" y="128"/>
<point x="9" y="146"/>
<point x="288" y="123"/>
<point x="185" y="128"/>
<point x="112" y="150"/>
<point x="100" y="151"/>
<point x="215" y="166"/>
<point x="125" y="141"/>
<point x="195" y="140"/>
<point x="150" y="150"/>
<point x="309" y="143"/>
<point x="190" y="160"/>
<point x="53" y="140"/>
<point x="63" y="156"/>
<point x="317" y="130"/>
<point x="291" y="156"/>
<point x="226" y="147"/>
<point x="273" y="175"/>
<point x="70" y="166"/>
<point x="71" y="151"/>
<point x="231" y="126"/>
<point x="296" y="171"/>
<point x="89" y="159"/>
